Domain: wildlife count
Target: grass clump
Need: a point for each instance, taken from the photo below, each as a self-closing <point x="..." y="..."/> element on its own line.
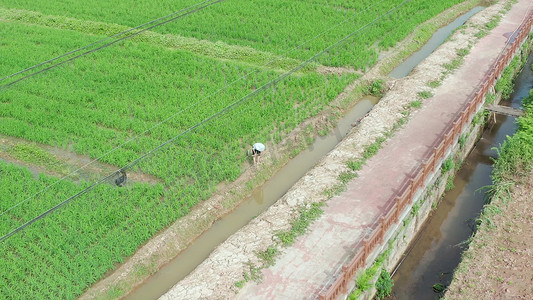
<point x="384" y="285"/>
<point x="425" y="94"/>
<point x="377" y="88"/>
<point x="373" y="148"/>
<point x="268" y="256"/>
<point x="438" y="287"/>
<point x="299" y="226"/>
<point x="447" y="165"/>
<point x="415" y="104"/>
<point x="355" y="165"/>
<point x="494" y="21"/>
<point x="462" y="140"/>
<point x="449" y="183"/>
<point x="453" y="65"/>
<point x="434" y="83"/>
<point x="463" y="52"/>
<point x="363" y="282"/>
<point x="479" y="118"/>
<point x="415" y="209"/>
<point x="505" y="84"/>
<point x="252" y="273"/>
<point x="490" y="98"/>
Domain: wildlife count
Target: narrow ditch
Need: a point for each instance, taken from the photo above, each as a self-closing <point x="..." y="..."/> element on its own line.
<point x="262" y="198"/>
<point x="437" y="249"/>
<point x="432" y="44"/>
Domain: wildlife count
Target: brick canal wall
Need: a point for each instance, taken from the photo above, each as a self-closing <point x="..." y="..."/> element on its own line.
<point x="426" y="185"/>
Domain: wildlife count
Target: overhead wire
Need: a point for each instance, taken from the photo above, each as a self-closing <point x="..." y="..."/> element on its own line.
<point x="190" y="106"/>
<point x="205" y="121"/>
<point x="100" y="41"/>
<point x="109" y="44"/>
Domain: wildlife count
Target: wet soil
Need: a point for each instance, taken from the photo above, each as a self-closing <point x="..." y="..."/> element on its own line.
<point x="65" y="163"/>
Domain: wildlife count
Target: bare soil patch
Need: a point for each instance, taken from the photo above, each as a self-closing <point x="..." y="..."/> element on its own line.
<point x="325" y="70"/>
<point x="499" y="261"/>
<point x="62" y="163"/>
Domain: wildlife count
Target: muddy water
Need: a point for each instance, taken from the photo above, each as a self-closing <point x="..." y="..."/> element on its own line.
<point x="437" y="250"/>
<point x="262" y="198"/>
<point x="433" y="43"/>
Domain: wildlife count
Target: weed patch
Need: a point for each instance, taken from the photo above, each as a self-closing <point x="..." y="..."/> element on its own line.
<point x="447" y="165"/>
<point x="425" y="94"/>
<point x="415" y="104"/>
<point x="434" y="83"/>
<point x="299" y="226"/>
<point x="384" y="285"/>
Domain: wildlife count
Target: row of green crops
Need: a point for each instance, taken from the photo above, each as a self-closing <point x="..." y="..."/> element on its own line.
<point x="273" y="26"/>
<point x="97" y="102"/>
<point x="101" y="101"/>
<point x="64" y="253"/>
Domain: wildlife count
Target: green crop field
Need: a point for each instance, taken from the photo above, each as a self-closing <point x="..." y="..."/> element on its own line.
<point x="152" y="88"/>
<point x="272" y="26"/>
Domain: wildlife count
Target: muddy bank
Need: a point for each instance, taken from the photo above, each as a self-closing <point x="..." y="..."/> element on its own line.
<point x="498" y="263"/>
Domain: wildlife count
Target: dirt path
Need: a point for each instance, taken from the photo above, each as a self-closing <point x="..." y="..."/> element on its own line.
<point x="499" y="261"/>
<point x="302" y="269"/>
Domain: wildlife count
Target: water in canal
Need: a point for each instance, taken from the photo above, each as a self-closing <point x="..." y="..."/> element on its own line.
<point x="437" y="250"/>
<point x="433" y="43"/>
<point x="262" y="198"/>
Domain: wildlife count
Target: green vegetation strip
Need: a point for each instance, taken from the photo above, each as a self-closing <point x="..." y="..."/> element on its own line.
<point x="364" y="281"/>
<point x="515" y="157"/>
<point x="218" y="49"/>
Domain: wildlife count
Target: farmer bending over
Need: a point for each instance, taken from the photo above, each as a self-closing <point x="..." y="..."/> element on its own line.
<point x="257" y="148"/>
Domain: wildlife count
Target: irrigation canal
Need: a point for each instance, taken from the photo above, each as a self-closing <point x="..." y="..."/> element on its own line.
<point x="437" y="249"/>
<point x="433" y="43"/>
<point x="261" y="199"/>
<point x="267" y="194"/>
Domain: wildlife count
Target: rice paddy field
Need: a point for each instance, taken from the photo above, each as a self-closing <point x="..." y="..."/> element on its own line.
<point x="125" y="100"/>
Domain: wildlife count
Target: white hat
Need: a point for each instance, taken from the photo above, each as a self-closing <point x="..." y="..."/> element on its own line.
<point x="259" y="147"/>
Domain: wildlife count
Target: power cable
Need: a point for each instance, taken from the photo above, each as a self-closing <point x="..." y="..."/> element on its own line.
<point x="109" y="44"/>
<point x="178" y="113"/>
<point x="100" y="41"/>
<point x="205" y="121"/>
